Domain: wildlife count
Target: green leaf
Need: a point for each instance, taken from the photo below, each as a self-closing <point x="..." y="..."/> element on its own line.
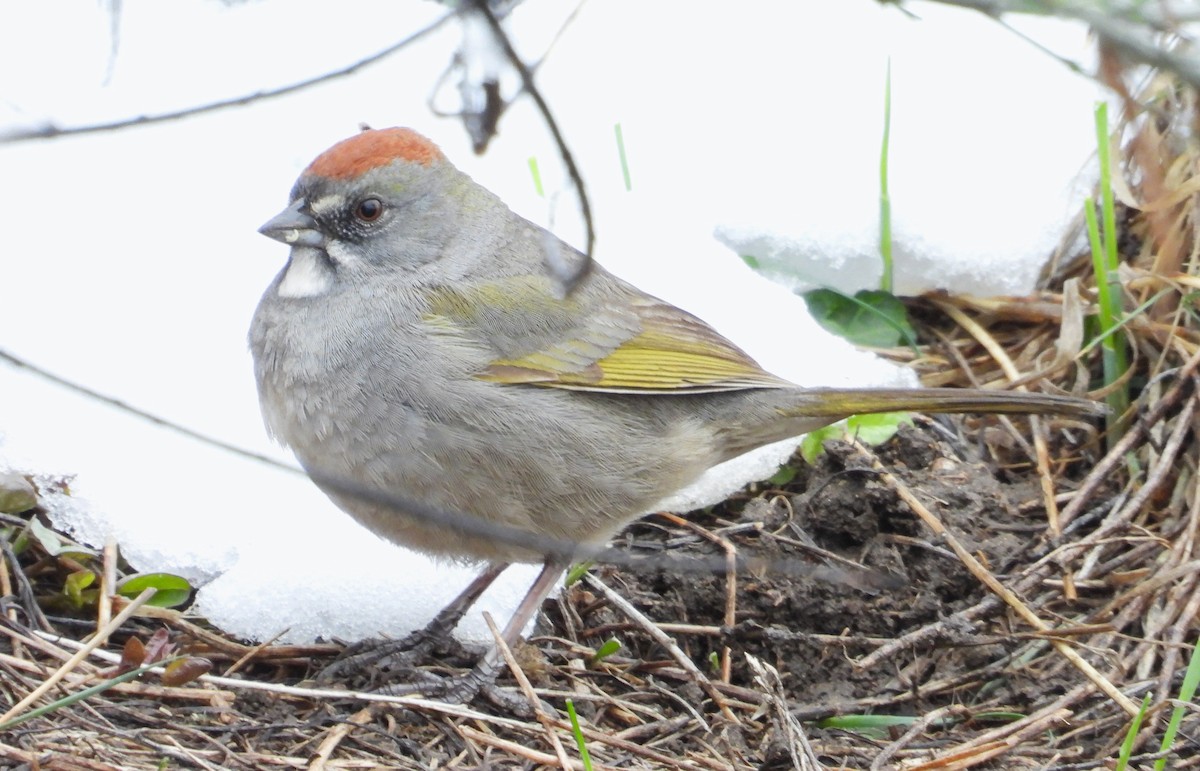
<point x="812" y="445"/>
<point x="784" y="475"/>
<point x="54" y="544"/>
<point x="854" y="722"/>
<point x="46" y="538"/>
<point x="876" y="726"/>
<point x="20" y="540"/>
<point x="871" y="430"/>
<point x="75" y="584"/>
<point x="870" y="318"/>
<point x="577" y="572"/>
<point x="610" y="646"/>
<point x="876" y="429"/>
<point x="173" y="591"/>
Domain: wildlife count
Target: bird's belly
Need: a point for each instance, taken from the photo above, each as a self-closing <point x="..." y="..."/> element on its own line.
<point x="547" y="475"/>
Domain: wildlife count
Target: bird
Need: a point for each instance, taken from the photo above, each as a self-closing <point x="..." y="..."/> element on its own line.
<point x="418" y="354"/>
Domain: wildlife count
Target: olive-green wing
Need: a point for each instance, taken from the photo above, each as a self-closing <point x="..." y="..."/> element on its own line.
<point x="623" y="341"/>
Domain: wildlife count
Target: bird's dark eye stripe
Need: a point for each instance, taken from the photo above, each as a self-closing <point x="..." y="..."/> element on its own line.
<point x="368" y="209"/>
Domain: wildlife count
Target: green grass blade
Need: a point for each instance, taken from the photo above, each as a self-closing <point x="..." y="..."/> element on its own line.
<point x="584" y="757"/>
<point x="536" y="173"/>
<point x="67" y="701"/>
<point x="1187" y="692"/>
<point x="1130" y="735"/>
<point x="1108" y="287"/>
<point x="624" y="159"/>
<point x="885" y="200"/>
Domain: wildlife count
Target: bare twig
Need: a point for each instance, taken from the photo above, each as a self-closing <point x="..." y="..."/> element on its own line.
<point x="801" y="752"/>
<point x="79" y="656"/>
<point x="52" y="131"/>
<point x="1130" y="29"/>
<point x="339" y="732"/>
<point x="1042" y="454"/>
<point x="662" y="639"/>
<point x="1102" y="473"/>
<point x="731" y="583"/>
<point x="569" y="276"/>
<point x="999" y="589"/>
<point x="548" y="722"/>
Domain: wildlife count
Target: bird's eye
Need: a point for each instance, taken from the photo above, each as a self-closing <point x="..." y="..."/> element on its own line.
<point x="368" y="210"/>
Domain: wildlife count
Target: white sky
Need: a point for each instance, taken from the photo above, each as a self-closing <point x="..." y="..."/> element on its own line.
<point x="132" y="263"/>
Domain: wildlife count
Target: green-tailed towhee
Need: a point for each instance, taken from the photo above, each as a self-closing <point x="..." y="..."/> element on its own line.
<point x="416" y="344"/>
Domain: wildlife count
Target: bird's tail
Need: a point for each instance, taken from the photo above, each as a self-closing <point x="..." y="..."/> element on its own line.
<point x="790" y="412"/>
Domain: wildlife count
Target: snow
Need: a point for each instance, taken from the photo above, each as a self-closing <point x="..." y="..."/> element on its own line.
<point x="132" y="263"/>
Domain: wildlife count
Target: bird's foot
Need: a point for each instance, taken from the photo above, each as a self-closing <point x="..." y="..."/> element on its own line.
<point x="458" y="689"/>
<point x="380" y="658"/>
<point x="462" y="689"/>
<point x="396" y="668"/>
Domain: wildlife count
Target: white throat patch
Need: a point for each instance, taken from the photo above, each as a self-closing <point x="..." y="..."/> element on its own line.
<point x="307" y="275"/>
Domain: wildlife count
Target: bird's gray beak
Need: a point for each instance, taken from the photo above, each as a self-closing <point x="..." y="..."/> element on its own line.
<point x="292" y="226"/>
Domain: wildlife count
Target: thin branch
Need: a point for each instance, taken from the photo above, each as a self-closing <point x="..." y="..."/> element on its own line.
<point x="1127" y="27"/>
<point x="569" y="277"/>
<point x="52" y="131"/>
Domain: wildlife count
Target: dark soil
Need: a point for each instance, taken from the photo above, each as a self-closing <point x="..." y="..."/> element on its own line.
<point x="833" y="567"/>
<point x="839" y="506"/>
